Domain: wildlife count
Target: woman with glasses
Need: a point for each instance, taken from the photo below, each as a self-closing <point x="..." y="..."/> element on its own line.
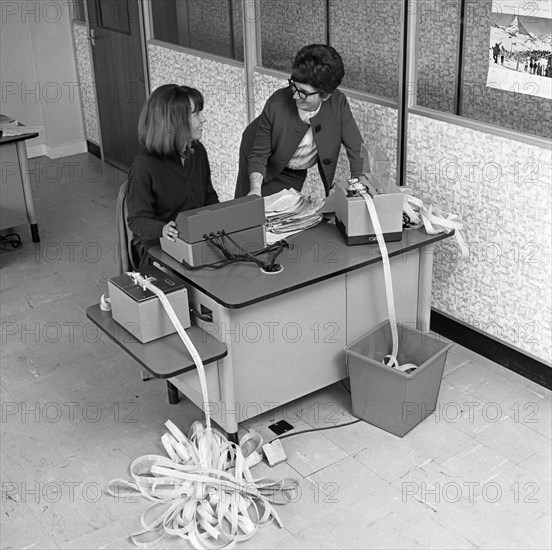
<point x="302" y="125"/>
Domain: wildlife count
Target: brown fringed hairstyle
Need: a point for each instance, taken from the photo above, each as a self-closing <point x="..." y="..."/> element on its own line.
<point x="164" y="127"/>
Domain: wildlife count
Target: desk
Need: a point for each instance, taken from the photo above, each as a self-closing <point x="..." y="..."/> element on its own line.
<point x="17" y="203"/>
<point x="286" y="331"/>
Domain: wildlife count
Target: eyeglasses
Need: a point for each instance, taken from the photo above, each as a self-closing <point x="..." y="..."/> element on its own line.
<point x="301" y="93"/>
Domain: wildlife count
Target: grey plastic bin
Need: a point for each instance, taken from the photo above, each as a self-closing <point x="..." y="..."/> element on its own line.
<point x="386" y="397"/>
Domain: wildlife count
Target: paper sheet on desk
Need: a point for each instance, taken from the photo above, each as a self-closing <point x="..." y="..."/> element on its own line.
<point x="289" y="212"/>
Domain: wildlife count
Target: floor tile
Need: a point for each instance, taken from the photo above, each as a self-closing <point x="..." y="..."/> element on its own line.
<point x="512" y="439"/>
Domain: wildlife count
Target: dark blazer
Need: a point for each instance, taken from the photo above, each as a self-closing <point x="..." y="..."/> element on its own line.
<point x="269" y="142"/>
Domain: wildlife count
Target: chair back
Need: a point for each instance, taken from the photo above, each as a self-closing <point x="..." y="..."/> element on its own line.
<point x="127" y="259"/>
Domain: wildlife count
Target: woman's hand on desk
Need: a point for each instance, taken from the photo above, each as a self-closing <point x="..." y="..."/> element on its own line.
<point x="170" y="231"/>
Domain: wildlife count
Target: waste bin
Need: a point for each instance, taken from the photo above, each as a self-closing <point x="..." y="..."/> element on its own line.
<point x="386" y="397"/>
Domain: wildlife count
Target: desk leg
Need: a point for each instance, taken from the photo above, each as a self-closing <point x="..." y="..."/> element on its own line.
<point x="172" y="390"/>
<point x="233" y="437"/>
<point x="27" y="189"/>
<point x="425" y="276"/>
<point x="226" y="377"/>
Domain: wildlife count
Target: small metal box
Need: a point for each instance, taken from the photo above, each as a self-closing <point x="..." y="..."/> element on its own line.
<point x="140" y="312"/>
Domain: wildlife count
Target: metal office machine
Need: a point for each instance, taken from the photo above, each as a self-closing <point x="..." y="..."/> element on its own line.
<point x="234" y="226"/>
<point x="139" y="311"/>
<point x="351" y="213"/>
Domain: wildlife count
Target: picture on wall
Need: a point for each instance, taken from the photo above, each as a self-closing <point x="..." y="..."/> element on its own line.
<point x="520" y="50"/>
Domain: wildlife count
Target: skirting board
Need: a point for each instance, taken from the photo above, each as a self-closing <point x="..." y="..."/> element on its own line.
<point x="56" y="152"/>
<point x="94" y="149"/>
<point x="499" y="352"/>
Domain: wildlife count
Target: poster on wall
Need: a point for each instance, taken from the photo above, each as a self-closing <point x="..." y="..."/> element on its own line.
<point x="520" y="51"/>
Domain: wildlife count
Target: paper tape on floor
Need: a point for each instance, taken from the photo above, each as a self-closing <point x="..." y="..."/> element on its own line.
<point x="203" y="491"/>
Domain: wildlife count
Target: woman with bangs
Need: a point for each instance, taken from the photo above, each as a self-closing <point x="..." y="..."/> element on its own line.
<point x="171" y="174"/>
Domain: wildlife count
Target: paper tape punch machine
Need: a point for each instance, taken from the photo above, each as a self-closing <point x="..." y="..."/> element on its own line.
<point x="242" y="220"/>
<point x="351" y="214"/>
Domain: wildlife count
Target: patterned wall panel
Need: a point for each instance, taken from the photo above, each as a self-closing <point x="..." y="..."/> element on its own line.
<point x="525" y="113"/>
<point x="501" y="190"/>
<point x="287" y="26"/>
<point x="86" y="82"/>
<point x="368" y="36"/>
<point x="223" y="88"/>
<point x="210" y="27"/>
<point x="437" y="51"/>
<point x="376" y="123"/>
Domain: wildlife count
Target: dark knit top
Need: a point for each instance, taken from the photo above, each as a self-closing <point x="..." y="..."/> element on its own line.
<point x="160" y="188"/>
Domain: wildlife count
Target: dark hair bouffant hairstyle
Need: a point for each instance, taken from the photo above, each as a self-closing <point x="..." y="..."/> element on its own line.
<point x="164" y="124"/>
<point x="319" y="66"/>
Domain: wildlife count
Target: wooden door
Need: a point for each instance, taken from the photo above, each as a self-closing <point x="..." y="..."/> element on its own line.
<point x="119" y="74"/>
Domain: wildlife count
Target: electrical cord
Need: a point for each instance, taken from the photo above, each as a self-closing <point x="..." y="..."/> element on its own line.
<point x="12" y="239"/>
<point x="247" y="255"/>
<point x="316" y="430"/>
<point x="218" y="241"/>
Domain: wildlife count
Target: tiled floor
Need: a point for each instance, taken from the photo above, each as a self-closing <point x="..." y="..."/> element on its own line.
<point x="475" y="474"/>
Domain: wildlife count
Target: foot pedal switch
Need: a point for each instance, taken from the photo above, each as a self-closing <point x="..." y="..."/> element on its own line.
<point x="274" y="452"/>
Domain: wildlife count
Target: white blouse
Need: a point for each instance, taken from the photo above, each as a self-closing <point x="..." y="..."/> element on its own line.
<point x="306" y="154"/>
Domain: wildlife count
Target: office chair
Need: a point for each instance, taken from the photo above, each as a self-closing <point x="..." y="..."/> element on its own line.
<point x="128" y="261"/>
<point x="127" y="256"/>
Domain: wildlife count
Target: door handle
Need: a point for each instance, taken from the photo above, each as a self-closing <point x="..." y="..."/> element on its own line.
<point x="92" y="37"/>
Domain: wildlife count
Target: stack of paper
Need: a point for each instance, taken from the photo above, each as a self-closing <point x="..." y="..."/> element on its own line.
<point x="289" y="212"/>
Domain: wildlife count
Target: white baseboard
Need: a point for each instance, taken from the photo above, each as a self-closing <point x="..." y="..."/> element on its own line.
<point x="65" y="150"/>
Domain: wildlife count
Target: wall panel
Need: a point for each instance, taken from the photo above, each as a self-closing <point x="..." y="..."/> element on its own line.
<point x="86" y="83"/>
<point x="509" y="109"/>
<point x="501" y="190"/>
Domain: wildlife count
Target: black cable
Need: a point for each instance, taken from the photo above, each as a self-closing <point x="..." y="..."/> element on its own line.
<point x="276" y="254"/>
<point x="12" y="239"/>
<point x="260" y="263"/>
<point x="316" y="430"/>
<point x="217" y="240"/>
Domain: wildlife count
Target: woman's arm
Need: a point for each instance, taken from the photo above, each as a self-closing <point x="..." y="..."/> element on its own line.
<point x="261" y="149"/>
<point x="351" y="139"/>
<point x="255" y="183"/>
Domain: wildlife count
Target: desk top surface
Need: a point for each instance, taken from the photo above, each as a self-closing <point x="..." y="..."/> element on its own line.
<point x="317" y="254"/>
<point x="20" y="137"/>
<point x="12" y="139"/>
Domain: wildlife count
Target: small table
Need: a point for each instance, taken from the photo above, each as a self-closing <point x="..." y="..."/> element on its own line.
<point x="17" y="203"/>
<point x="165" y="357"/>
